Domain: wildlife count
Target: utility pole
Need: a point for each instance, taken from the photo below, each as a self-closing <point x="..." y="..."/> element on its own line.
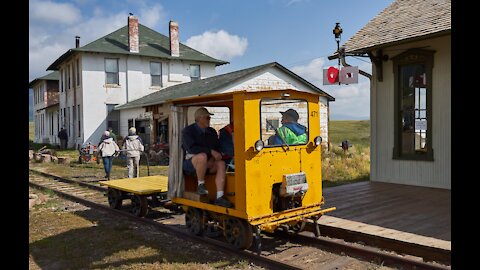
<point x="337" y="31"/>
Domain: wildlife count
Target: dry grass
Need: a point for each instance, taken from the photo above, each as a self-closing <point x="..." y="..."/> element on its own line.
<point x="339" y="167"/>
<point x="31" y="130"/>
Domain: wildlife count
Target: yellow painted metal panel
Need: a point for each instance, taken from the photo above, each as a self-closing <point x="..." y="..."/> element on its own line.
<point x="142" y="185"/>
<point x="210" y="207"/>
<point x="267" y="167"/>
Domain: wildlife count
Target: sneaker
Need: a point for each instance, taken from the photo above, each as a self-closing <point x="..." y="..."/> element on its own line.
<point x="202" y="190"/>
<point x="223" y="202"/>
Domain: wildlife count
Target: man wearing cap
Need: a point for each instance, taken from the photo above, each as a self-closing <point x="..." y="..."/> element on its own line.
<point x="291" y="131"/>
<point x="201" y="145"/>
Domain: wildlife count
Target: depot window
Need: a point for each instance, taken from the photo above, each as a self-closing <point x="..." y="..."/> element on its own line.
<point x="277" y="129"/>
<point x="111" y="71"/>
<point x="413" y="105"/>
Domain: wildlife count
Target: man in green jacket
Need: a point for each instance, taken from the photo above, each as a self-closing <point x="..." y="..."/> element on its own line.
<point x="291" y="131"/>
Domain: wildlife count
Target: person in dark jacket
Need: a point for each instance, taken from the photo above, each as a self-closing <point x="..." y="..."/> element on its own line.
<point x="202" y="154"/>
<point x="63" y="136"/>
<point x="225" y="138"/>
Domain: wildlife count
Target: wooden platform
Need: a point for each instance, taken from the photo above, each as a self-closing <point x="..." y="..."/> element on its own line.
<point x="406" y="213"/>
<point x="142" y="185"/>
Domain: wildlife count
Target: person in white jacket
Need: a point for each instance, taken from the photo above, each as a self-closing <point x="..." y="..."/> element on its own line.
<point x="134" y="147"/>
<point x="108" y="148"/>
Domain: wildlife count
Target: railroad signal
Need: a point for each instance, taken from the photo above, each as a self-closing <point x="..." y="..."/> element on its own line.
<point x="346" y="75"/>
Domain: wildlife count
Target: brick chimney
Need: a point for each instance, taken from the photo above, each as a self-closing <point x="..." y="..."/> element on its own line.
<point x="174" y="45"/>
<point x="77" y="41"/>
<point x="132" y="33"/>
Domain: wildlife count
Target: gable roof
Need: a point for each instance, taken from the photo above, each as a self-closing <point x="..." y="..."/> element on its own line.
<point x="401" y="21"/>
<point x="52" y="76"/>
<point x="151" y="43"/>
<point x="209" y="85"/>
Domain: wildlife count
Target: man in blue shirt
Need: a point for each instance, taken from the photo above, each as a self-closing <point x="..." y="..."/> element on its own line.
<point x="201" y="145"/>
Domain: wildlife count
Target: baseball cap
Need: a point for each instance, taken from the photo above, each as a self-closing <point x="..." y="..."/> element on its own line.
<point x="292" y="113"/>
<point x="202" y="112"/>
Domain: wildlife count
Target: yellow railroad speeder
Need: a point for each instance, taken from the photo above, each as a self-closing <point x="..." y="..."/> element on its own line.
<point x="273" y="184"/>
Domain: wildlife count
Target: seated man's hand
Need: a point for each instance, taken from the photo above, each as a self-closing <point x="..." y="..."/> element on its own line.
<point x="216" y="155"/>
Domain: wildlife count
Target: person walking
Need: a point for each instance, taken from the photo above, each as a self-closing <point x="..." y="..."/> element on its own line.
<point x="108" y="147"/>
<point x="133" y="147"/>
<point x="63" y="136"/>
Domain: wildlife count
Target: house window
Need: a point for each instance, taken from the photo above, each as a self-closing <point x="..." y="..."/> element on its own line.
<point x="413" y="105"/>
<point x="113" y="118"/>
<point x="78" y="71"/>
<point x="79" y="129"/>
<point x="194" y="72"/>
<point x="51" y="124"/>
<point x="69" y="76"/>
<point x="111" y="71"/>
<point x="62" y="79"/>
<point x="156" y="73"/>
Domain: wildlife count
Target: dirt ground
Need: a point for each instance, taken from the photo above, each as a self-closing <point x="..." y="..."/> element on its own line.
<point x="67" y="235"/>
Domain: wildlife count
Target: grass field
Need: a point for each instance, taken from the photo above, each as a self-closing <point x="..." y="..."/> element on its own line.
<point x="338" y="167"/>
<point x="31" y="131"/>
<point x="356" y="132"/>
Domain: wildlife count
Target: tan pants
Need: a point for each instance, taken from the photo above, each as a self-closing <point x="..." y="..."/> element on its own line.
<point x="133" y="167"/>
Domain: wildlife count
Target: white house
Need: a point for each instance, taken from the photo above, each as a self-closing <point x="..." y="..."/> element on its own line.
<point x="409" y="44"/>
<point x="45" y="107"/>
<point x="124" y="65"/>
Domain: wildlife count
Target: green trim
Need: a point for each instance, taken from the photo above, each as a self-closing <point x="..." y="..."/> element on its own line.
<point x="412" y="56"/>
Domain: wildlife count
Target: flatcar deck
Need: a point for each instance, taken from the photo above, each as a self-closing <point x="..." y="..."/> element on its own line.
<point x="404" y="213"/>
<point x="141" y="186"/>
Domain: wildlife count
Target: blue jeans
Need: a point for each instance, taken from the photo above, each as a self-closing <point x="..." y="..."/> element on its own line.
<point x="107" y="164"/>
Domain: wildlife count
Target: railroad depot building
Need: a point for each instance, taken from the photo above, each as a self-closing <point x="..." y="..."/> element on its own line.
<point x="409" y="44"/>
<point x="115" y="80"/>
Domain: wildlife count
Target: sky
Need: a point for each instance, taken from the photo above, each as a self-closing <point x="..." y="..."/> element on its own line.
<point x="295" y="33"/>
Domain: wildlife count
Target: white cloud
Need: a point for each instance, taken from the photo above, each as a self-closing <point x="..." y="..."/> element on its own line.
<point x="53" y="13"/>
<point x="312" y="72"/>
<point x="40" y="58"/>
<point x="53" y="27"/>
<point x="350" y="100"/>
<point x="220" y="44"/>
<point x="294" y="2"/>
<point x="151" y="15"/>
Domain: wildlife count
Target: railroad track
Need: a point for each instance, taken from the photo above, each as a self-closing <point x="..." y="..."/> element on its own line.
<point x="298" y="248"/>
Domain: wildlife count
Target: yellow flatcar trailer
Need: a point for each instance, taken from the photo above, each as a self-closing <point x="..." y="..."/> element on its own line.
<point x="142" y="191"/>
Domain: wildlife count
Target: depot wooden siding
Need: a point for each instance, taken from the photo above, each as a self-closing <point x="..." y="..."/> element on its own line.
<point x="383" y="168"/>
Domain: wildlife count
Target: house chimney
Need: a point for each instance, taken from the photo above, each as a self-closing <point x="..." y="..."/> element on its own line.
<point x="77" y="41"/>
<point x="174" y="45"/>
<point x="132" y="33"/>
